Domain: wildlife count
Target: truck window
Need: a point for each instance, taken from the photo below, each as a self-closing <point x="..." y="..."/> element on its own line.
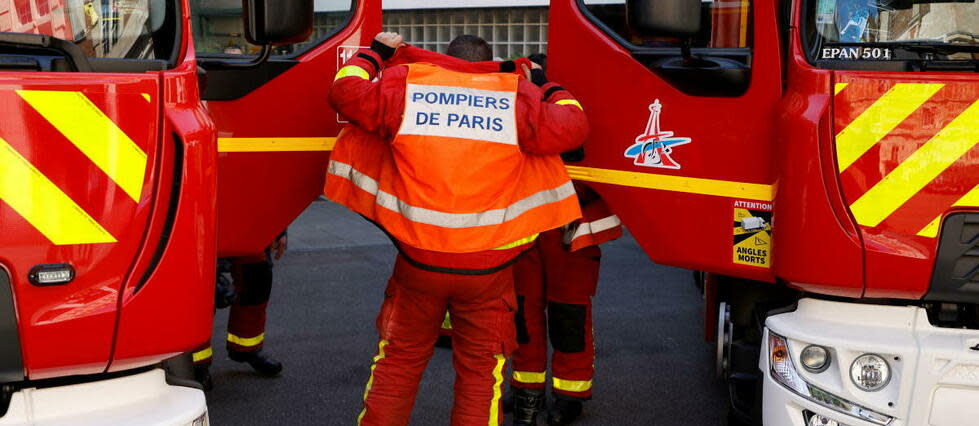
<point x="725" y="24"/>
<point x="892" y="30"/>
<point x="219" y="27"/>
<point x="135" y="29"/>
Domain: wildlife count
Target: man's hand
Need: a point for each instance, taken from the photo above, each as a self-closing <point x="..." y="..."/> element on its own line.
<point x="392" y="40"/>
<point x="279" y="246"/>
<point x="526" y="70"/>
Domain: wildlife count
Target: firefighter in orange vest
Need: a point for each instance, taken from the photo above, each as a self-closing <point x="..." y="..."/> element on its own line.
<point x="555" y="282"/>
<point x="459" y="163"/>
<point x="252" y="280"/>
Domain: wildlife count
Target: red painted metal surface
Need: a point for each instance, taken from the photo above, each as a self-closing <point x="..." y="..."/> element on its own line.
<point x="733" y="139"/>
<point x="817" y="245"/>
<point x="172" y="311"/>
<point x="899" y="260"/>
<point x="80" y="315"/>
<point x="260" y="193"/>
<point x="74" y="328"/>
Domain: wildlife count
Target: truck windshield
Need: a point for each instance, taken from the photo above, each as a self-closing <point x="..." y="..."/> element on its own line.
<point x="130" y="29"/>
<point x="894" y="29"/>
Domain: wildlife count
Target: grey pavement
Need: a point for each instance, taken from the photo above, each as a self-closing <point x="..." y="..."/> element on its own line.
<point x="653" y="367"/>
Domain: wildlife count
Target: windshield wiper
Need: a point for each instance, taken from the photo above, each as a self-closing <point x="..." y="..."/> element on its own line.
<point x="33" y="42"/>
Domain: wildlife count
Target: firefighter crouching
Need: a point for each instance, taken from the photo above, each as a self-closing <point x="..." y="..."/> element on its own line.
<point x="463" y="184"/>
<point x="252" y="280"/>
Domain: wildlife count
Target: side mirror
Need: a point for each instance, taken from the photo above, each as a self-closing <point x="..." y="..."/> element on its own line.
<point x="277" y="22"/>
<point x="664" y="18"/>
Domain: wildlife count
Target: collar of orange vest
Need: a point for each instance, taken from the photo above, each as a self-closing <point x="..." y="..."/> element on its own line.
<point x="411" y="54"/>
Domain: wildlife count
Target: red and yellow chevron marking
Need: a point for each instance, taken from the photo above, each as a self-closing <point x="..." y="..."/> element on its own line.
<point x="56" y="147"/>
<point x="907" y="151"/>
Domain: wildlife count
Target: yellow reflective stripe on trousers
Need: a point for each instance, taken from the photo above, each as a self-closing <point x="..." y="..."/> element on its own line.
<point x="42" y="204"/>
<point x="370" y="381"/>
<point x="570" y="102"/>
<point x="352" y="71"/>
<point x="880" y="119"/>
<point x="494" y="417"/>
<point x="919" y="169"/>
<point x="447" y="323"/>
<point x="529" y="377"/>
<point x="203" y="354"/>
<point x="246" y="341"/>
<point x="572" y="385"/>
<point x="95" y="135"/>
<point x="970" y="199"/>
<point x="519" y="242"/>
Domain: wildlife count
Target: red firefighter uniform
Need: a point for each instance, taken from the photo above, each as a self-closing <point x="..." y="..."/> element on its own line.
<point x="555" y="282"/>
<point x="252" y="278"/>
<point x="445" y="183"/>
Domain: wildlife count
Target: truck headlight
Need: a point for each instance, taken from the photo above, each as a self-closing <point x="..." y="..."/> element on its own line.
<point x="784" y="372"/>
<point x="870" y="372"/>
<point x="815" y="358"/>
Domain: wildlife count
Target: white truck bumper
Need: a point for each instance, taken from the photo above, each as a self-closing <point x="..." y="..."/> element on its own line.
<point x="934" y="371"/>
<point x="140" y="399"/>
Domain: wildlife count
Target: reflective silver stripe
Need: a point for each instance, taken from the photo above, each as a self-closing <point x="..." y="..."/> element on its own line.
<point x="593" y="227"/>
<point x="443" y="219"/>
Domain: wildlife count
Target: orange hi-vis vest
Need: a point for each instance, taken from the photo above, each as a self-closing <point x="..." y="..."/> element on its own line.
<point x="454" y="178"/>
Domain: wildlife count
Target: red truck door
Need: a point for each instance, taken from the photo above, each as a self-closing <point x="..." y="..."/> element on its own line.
<point x="93" y="127"/>
<point x="681" y="150"/>
<point x="275" y="128"/>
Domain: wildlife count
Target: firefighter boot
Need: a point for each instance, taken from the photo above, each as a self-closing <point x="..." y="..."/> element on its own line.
<point x="259" y="362"/>
<point x="202" y="373"/>
<point x="527" y="404"/>
<point x="564" y="411"/>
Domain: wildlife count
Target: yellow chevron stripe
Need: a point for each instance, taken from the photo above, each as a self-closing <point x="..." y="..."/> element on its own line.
<point x="40" y="202"/>
<point x="970" y="199"/>
<point x="839" y="88"/>
<point x="95" y="134"/>
<point x="950" y="144"/>
<point x="275" y="144"/>
<point x="721" y="188"/>
<point x="880" y="119"/>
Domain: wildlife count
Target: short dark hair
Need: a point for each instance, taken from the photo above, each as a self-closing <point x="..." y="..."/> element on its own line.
<point x="471" y="48"/>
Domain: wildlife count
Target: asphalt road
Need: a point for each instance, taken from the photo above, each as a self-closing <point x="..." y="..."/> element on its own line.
<point x="653" y="366"/>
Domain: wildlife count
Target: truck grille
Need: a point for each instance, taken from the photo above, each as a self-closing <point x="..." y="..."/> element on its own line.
<point x="956" y="276"/>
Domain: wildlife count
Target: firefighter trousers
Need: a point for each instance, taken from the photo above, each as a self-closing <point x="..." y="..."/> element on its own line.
<point x="483" y="333"/>
<point x="252" y="278"/>
<point x="554" y="291"/>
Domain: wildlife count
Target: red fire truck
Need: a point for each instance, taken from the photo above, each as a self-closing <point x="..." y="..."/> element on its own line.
<point x="108" y="187"/>
<point x="818" y="159"/>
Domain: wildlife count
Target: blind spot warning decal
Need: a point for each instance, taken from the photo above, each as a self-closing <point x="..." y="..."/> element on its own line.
<point x="753" y="233"/>
<point x="654" y="147"/>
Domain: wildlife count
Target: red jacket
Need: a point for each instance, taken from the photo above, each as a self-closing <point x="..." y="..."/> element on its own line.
<point x="543" y="126"/>
<point x="376" y="106"/>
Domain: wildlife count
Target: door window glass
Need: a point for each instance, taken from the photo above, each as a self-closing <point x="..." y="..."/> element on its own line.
<point x="130" y="29"/>
<point x="724" y="23"/>
<point x="219" y="26"/>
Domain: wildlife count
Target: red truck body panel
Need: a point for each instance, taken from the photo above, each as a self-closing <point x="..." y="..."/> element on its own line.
<point x="841" y="229"/>
<point x="274" y="142"/>
<point x="94" y="156"/>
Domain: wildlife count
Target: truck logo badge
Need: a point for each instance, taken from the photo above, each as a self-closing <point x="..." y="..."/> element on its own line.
<point x="654" y="148"/>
